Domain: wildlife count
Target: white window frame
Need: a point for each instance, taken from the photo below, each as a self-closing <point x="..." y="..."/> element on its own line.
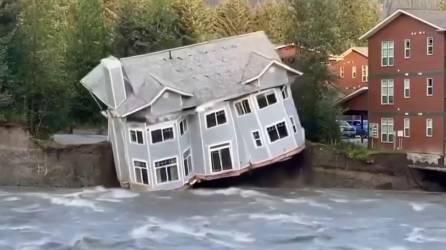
<point x="275" y="125"/>
<point x="385" y="53"/>
<point x="406" y="89"/>
<point x="385" y="122"/>
<point x="216" y="120"/>
<point x="387" y="84"/>
<point x="265" y="94"/>
<point x="293" y="124"/>
<point x="255" y="140"/>
<point x="190" y="168"/>
<point x="136" y="130"/>
<point x="429" y="125"/>
<point x="219" y="146"/>
<point x="140" y="169"/>
<point x="365" y="73"/>
<point x="285" y="90"/>
<point x="429" y="45"/>
<point x="354" y="71"/>
<point x="428" y="86"/>
<point x="407" y="48"/>
<point x="162" y="134"/>
<point x="406" y="130"/>
<point x="341" y="72"/>
<point x="243" y="108"/>
<point x="165" y="166"/>
<point x="184" y="127"/>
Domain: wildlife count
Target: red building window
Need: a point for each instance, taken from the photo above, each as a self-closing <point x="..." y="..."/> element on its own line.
<point x="430" y="46"/>
<point x="429" y="87"/>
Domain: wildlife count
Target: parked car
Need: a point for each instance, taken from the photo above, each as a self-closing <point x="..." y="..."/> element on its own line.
<point x="360" y="130"/>
<point x="347" y="130"/>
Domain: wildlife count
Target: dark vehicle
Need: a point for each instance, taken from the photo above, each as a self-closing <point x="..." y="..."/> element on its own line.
<point x="347" y="130"/>
<point x="361" y="129"/>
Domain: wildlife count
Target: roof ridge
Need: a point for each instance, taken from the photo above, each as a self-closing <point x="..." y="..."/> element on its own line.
<point x="194" y="45"/>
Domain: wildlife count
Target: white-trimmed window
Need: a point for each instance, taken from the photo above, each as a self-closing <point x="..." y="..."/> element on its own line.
<point x="407" y="48"/>
<point x="242" y="107"/>
<point x="354" y="71"/>
<point x="429" y="127"/>
<point x="365" y="73"/>
<point x="429" y="87"/>
<point x="141" y="173"/>
<point x="406" y="88"/>
<point x="265" y="99"/>
<point x="216" y="119"/>
<point x="162" y="134"/>
<point x="387" y="93"/>
<point x="187" y="161"/>
<point x="183" y="126"/>
<point x="221" y="157"/>
<point x="166" y="170"/>
<point x="257" y="139"/>
<point x="293" y="124"/>
<point x="341" y="72"/>
<point x="285" y="91"/>
<point x="387" y="131"/>
<point x="136" y="136"/>
<point x="277" y="131"/>
<point x="387" y="53"/>
<point x="406" y="127"/>
<point x="430" y="46"/>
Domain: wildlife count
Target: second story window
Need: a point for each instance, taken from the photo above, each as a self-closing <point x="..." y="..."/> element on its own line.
<point x="353" y="71"/>
<point x="387" y="53"/>
<point x="407" y="48"/>
<point x="429" y="87"/>
<point x="406" y="88"/>
<point x="183" y="127"/>
<point x="285" y="93"/>
<point x="215" y="119"/>
<point x="365" y="73"/>
<point x="266" y="99"/>
<point x="136" y="136"/>
<point x="160" y="135"/>
<point x="341" y="72"/>
<point x="277" y="131"/>
<point x="387" y="96"/>
<point x="242" y="107"/>
<point x="257" y="139"/>
<point x="430" y="46"/>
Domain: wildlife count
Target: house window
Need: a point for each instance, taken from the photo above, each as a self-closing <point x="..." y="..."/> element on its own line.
<point x="285" y="93"/>
<point x="406" y="88"/>
<point x="257" y="139"/>
<point x="293" y="124"/>
<point x="353" y="71"/>
<point x="166" y="170"/>
<point x="187" y="161"/>
<point x="365" y="73"/>
<point x="341" y="72"/>
<point x="160" y="135"/>
<point x="277" y="131"/>
<point x="387" y="91"/>
<point x="215" y="119"/>
<point x="136" y="136"/>
<point x="430" y="46"/>
<point x="387" y="132"/>
<point x="266" y="99"/>
<point x="141" y="173"/>
<point x="183" y="127"/>
<point x="429" y="87"/>
<point x="221" y="157"/>
<point x="407" y="48"/>
<point x="242" y="107"/>
<point x="387" y="53"/>
<point x="406" y="127"/>
<point x="429" y="127"/>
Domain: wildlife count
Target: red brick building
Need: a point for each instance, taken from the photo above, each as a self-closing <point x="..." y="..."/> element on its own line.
<point x="406" y="96"/>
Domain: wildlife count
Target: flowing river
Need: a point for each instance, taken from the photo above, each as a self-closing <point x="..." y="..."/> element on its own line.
<point x="232" y="218"/>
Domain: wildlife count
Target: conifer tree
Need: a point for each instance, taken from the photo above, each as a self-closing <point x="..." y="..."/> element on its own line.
<point x="233" y="17"/>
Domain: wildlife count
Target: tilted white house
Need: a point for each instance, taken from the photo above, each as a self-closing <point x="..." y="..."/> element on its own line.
<point x="199" y="112"/>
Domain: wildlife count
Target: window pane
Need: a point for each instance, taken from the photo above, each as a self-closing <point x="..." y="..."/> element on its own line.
<point x="186" y="170"/>
<point x="272" y="132"/>
<point x="221" y="117"/>
<point x="181" y="128"/>
<point x="145" y="178"/>
<point x="211" y="121"/>
<point x="139" y="136"/>
<point x="138" y="175"/>
<point x="156" y="136"/>
<point x="132" y="136"/>
<point x="226" y="159"/>
<point x="161" y="175"/>
<point x="173" y="173"/>
<point x="271" y="98"/>
<point x="216" y="164"/>
<point x="281" y="127"/>
<point x="168" y="133"/>
<point x="261" y="100"/>
<point x="238" y="107"/>
<point x="246" y="106"/>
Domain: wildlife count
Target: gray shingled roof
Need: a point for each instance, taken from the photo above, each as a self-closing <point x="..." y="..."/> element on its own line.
<point x="208" y="71"/>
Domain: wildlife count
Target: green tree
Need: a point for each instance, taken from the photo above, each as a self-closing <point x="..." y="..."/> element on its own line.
<point x="233" y="17"/>
<point x="88" y="42"/>
<point x="274" y="17"/>
<point x="146" y="25"/>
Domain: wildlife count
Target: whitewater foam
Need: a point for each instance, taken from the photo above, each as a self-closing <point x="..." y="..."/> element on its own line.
<point x="308" y="202"/>
<point x="416" y="206"/>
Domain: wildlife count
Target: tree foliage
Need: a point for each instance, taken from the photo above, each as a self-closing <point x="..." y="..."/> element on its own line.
<point x="194" y="19"/>
<point x="233" y="17"/>
<point x="273" y="17"/>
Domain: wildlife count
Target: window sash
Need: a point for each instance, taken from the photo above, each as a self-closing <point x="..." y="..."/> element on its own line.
<point x="406" y="88"/>
<point x="341" y="71"/>
<point x="285" y="93"/>
<point x="277" y="131"/>
<point x="387" y="91"/>
<point x="215" y="119"/>
<point x="136" y="136"/>
<point x="429" y="87"/>
<point x="430" y="46"/>
<point x="141" y="172"/>
<point x="293" y="124"/>
<point x="387" y="53"/>
<point x="183" y="127"/>
<point x="187" y="161"/>
<point x="166" y="170"/>
<point x="365" y="73"/>
<point x="406" y="127"/>
<point x="242" y="107"/>
<point x="221" y="159"/>
<point x="407" y="48"/>
<point x="257" y="139"/>
<point x="354" y="72"/>
<point x="429" y="127"/>
<point x="387" y="130"/>
<point x="266" y="99"/>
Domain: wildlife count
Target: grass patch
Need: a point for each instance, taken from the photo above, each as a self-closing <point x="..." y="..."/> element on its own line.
<point x="353" y="151"/>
